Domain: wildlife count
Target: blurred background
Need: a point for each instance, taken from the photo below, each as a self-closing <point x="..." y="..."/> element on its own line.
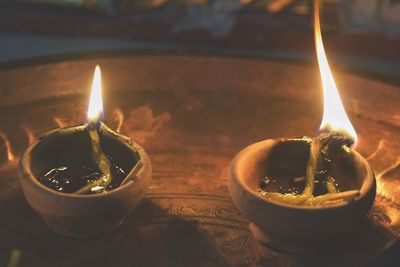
<point x="360" y="34"/>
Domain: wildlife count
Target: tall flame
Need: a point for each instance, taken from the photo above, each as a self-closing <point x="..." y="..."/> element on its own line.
<point x="335" y="117"/>
<point x="95" y="110"/>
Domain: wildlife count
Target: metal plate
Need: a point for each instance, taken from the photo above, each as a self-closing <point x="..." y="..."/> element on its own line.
<point x="192" y="114"/>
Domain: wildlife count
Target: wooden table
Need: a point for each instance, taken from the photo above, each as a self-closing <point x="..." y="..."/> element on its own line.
<point x="192" y="113"/>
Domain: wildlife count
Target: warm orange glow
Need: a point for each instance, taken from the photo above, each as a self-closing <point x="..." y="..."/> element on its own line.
<point x="29" y="134"/>
<point x="119" y="117"/>
<point x="10" y="154"/>
<point x="335" y="117"/>
<point x="95" y="109"/>
<point x="277" y="5"/>
<point x="60" y="123"/>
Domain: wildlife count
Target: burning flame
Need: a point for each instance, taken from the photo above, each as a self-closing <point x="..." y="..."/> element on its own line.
<point x="95" y="110"/>
<point x="335" y="117"/>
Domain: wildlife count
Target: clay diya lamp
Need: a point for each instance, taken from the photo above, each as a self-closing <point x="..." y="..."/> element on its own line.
<point x="85" y="180"/>
<point x="301" y="194"/>
<point x="296" y="228"/>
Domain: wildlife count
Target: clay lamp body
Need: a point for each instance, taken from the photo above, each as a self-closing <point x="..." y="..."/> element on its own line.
<point x="296" y="228"/>
<point x="68" y="205"/>
<point x="338" y="186"/>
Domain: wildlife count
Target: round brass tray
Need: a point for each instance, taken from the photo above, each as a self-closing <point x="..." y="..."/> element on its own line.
<point x="192" y="113"/>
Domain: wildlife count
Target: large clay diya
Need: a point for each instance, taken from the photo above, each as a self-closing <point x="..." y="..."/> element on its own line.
<point x="298" y="228"/>
<point x="303" y="194"/>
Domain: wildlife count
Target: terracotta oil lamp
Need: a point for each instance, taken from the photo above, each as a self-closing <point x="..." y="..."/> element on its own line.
<point x="85" y="180"/>
<point x="329" y="186"/>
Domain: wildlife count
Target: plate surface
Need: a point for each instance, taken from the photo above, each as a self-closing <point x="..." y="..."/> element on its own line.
<point x="192" y="114"/>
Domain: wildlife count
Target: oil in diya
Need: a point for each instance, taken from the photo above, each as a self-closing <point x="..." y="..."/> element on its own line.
<point x="301" y="193"/>
<point x="98" y="174"/>
<point x="85" y="180"/>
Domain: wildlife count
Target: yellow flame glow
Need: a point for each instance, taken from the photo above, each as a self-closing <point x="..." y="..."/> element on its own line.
<point x="335" y="117"/>
<point x="95" y="109"/>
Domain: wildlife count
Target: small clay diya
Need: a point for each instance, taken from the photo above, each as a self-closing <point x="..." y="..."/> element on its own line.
<point x="85" y="180"/>
<point x="83" y="215"/>
<point x="297" y="228"/>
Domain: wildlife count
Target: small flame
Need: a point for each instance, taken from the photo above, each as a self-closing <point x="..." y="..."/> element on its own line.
<point x="335" y="117"/>
<point x="95" y="110"/>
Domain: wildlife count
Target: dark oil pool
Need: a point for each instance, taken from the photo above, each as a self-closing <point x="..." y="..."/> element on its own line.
<point x="68" y="178"/>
